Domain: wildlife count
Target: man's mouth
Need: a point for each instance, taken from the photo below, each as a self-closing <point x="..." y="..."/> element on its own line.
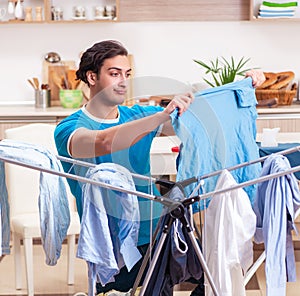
<point x="120" y="91"/>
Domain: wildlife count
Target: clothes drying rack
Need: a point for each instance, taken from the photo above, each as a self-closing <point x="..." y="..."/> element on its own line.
<point x="195" y="198"/>
<point x="176" y="208"/>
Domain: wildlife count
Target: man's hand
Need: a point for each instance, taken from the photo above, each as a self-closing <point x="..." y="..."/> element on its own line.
<point x="180" y="102"/>
<point x="257" y="76"/>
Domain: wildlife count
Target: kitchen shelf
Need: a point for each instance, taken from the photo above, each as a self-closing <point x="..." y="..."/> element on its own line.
<point x="67" y="7"/>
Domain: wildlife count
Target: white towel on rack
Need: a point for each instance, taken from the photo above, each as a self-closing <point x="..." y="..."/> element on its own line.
<point x="229" y="227"/>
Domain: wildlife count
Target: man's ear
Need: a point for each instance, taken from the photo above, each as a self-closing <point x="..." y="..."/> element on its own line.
<point x="91" y="77"/>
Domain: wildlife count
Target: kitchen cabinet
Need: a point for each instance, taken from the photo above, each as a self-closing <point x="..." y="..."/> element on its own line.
<point x="254" y="9"/>
<point x="57" y="11"/>
<point x="188" y="10"/>
<point x="12" y="116"/>
<point x="285" y="117"/>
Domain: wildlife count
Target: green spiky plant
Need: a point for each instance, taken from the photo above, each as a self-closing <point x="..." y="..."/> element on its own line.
<point x="224" y="71"/>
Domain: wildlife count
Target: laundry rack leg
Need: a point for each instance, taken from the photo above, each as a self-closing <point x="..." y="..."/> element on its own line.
<point x="159" y="247"/>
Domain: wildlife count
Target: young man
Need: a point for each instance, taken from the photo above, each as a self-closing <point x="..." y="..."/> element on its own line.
<point x="104" y="130"/>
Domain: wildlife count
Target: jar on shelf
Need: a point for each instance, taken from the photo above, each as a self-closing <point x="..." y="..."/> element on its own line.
<point x="57" y="13"/>
<point x="38" y="13"/>
<point x="28" y="14"/>
<point x="19" y="10"/>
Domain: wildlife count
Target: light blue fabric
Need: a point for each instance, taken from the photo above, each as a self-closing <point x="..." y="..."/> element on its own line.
<point x="109" y="225"/>
<point x="276" y="203"/>
<point x="53" y="201"/>
<point x="218" y="131"/>
<point x="4" y="215"/>
<point x="136" y="158"/>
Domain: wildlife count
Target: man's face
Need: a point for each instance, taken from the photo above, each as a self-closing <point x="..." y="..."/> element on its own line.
<point x="112" y="83"/>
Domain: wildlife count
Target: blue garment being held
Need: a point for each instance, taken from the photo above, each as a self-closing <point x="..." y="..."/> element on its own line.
<point x="218" y="131"/>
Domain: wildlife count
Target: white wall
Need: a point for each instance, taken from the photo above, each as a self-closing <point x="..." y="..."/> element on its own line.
<point x="159" y="48"/>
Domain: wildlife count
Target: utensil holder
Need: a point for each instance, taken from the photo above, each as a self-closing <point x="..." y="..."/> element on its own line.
<point x="42" y="98"/>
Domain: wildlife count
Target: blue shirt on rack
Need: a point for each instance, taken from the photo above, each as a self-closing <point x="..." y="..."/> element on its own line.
<point x="275" y="206"/>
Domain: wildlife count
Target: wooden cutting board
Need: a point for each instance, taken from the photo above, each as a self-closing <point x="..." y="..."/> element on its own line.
<point x="51" y="70"/>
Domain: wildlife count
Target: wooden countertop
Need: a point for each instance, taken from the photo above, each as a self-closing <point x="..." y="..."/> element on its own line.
<point x="294" y="108"/>
<point x="31" y="111"/>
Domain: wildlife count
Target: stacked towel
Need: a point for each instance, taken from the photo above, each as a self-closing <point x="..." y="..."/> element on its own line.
<point x="277" y="10"/>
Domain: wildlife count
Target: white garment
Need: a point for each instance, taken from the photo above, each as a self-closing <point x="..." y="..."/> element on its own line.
<point x="230" y="225"/>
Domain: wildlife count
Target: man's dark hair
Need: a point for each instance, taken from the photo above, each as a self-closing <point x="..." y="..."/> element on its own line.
<point x="94" y="57"/>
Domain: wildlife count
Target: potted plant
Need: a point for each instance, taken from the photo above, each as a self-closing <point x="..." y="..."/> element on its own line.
<point x="224" y="71"/>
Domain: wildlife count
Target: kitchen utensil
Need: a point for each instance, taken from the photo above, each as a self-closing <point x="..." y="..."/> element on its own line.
<point x="71" y="76"/>
<point x="52" y="57"/>
<point x="31" y="83"/>
<point x="36" y="82"/>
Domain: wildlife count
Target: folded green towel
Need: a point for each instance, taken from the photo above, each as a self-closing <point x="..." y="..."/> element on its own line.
<point x="273" y="4"/>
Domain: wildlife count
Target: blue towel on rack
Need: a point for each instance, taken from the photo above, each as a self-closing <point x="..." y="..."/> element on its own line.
<point x="219" y="131"/>
<point x="53" y="202"/>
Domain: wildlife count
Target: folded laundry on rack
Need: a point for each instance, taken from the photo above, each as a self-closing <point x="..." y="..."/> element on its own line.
<point x="53" y="201"/>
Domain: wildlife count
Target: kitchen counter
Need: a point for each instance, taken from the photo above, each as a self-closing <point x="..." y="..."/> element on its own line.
<point x="31" y="111"/>
<point x="19" y="110"/>
<point x="287" y="118"/>
<point x="280" y="110"/>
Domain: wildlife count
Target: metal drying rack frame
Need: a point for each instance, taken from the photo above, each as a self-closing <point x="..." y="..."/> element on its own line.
<point x="175" y="207"/>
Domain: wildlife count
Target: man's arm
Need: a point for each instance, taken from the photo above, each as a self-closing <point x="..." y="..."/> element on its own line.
<point x="89" y="143"/>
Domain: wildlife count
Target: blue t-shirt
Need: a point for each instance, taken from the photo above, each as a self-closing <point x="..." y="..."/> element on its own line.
<point x="135" y="158"/>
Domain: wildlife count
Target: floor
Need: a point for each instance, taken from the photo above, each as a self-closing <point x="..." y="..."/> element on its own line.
<point x="51" y="280"/>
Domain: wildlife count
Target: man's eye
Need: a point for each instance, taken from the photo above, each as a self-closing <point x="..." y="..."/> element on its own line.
<point x="128" y="75"/>
<point x="114" y="74"/>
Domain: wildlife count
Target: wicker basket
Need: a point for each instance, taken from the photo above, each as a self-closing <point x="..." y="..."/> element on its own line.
<point x="283" y="96"/>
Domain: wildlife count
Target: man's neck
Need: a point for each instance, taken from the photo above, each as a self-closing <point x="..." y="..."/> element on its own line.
<point x="102" y="111"/>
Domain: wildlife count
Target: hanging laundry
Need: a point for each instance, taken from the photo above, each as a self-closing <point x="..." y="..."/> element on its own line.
<point x="53" y="201"/>
<point x="275" y="206"/>
<point x="109" y="226"/>
<point x="228" y="231"/>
